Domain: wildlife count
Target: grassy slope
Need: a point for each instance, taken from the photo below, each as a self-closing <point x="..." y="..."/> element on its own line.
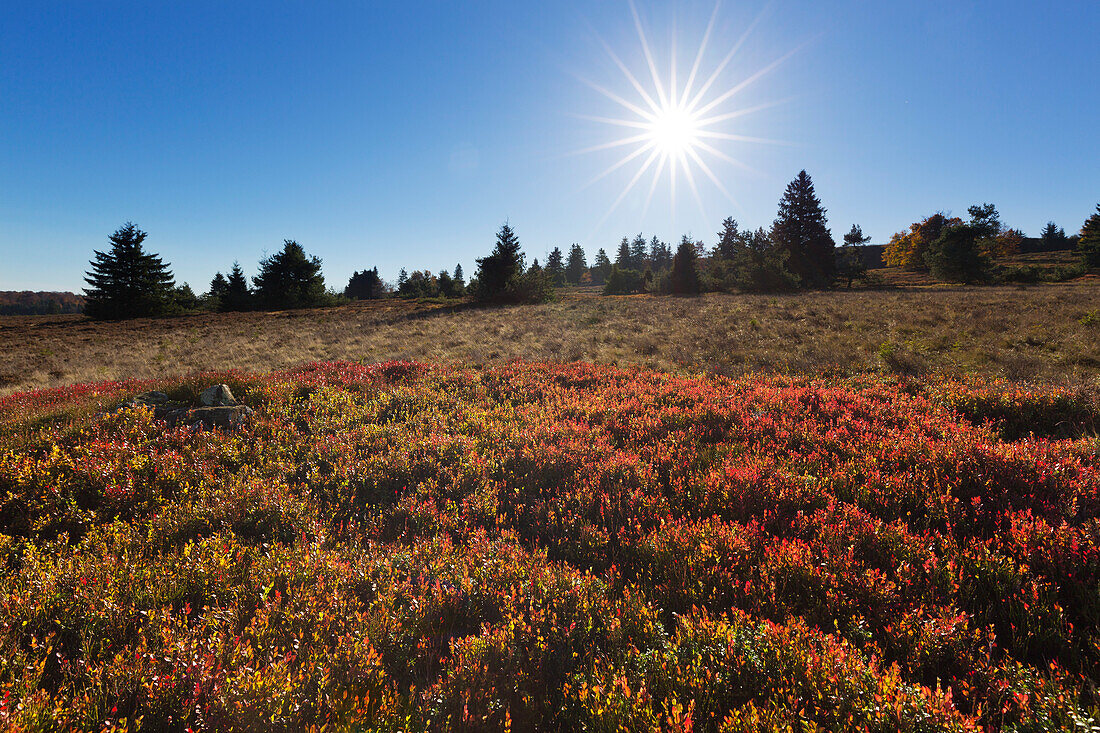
<point x="1044" y="331"/>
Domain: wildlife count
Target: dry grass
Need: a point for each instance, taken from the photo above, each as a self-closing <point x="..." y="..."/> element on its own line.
<point x="1047" y="332"/>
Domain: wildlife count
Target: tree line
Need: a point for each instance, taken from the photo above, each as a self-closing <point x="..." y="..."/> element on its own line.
<point x="796" y="252"/>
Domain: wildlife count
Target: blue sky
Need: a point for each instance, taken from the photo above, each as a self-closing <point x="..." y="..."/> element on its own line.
<point x="403" y="134"/>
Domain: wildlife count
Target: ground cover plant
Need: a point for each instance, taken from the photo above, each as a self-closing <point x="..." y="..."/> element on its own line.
<point x="552" y="546"/>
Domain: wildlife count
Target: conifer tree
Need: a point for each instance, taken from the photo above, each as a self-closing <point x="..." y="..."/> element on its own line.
<point x="502" y="276"/>
<point x="184" y="298"/>
<point x="555" y="266"/>
<point x="127" y="281"/>
<point x="1053" y="237"/>
<point x="365" y="285"/>
<point x="1088" y="246"/>
<point x="290" y="279"/>
<point x="800" y="230"/>
<point x="237" y="295"/>
<point x="576" y="264"/>
<point x="660" y="254"/>
<point x="730" y="242"/>
<point x="218" y="286"/>
<point x="459" y="278"/>
<point x="684" y="278"/>
<point x="601" y="267"/>
<point x="622" y="257"/>
<point x="639" y="258"/>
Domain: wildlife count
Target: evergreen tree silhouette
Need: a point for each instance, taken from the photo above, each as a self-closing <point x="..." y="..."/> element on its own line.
<point x="601" y="267"/>
<point x="684" y="278"/>
<point x="555" y="266"/>
<point x="622" y="257"/>
<point x="800" y="230"/>
<point x="237" y="295"/>
<point x="498" y="274"/>
<point x="575" y="265"/>
<point x="639" y="257"/>
<point x="127" y="281"/>
<point x="730" y="242"/>
<point x="365" y="285"/>
<point x="1088" y="246"/>
<point x="290" y="279"/>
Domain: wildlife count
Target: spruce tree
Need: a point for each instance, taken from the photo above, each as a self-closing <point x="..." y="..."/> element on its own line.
<point x="1088" y="246"/>
<point x="217" y="286"/>
<point x="660" y="254"/>
<point x="237" y="295"/>
<point x="459" y="276"/>
<point x="184" y="298"/>
<point x="499" y="274"/>
<point x="730" y="242"/>
<point x="639" y="258"/>
<point x="622" y="257"/>
<point x="365" y="285"/>
<point x="576" y="264"/>
<point x="800" y="230"/>
<point x="601" y="267"/>
<point x="555" y="266"/>
<point x="1053" y="237"/>
<point x="127" y="281"/>
<point x="684" y="278"/>
<point x="290" y="279"/>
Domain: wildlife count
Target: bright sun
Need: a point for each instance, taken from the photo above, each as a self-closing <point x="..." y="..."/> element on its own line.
<point x="674" y="132"/>
<point x="671" y="123"/>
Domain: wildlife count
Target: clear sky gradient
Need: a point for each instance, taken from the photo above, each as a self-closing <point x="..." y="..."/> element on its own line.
<point x="404" y="134"/>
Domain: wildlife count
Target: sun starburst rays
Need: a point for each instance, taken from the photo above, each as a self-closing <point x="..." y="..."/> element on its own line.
<point x="670" y="125"/>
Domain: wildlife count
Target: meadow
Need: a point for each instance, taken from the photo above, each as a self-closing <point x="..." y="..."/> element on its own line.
<point x="1049" y="332"/>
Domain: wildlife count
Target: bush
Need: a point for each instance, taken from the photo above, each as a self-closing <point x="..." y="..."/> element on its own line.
<point x="957" y="257"/>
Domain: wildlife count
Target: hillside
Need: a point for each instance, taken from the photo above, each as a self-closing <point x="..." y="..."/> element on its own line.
<point x="1047" y="332"/>
<point x="554" y="546"/>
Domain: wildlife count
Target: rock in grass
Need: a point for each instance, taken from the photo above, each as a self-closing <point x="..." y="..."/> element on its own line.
<point x="226" y="417"/>
<point x="217" y="396"/>
<point x="217" y="408"/>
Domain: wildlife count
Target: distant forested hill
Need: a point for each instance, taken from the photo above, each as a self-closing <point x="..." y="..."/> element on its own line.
<point x="30" y="303"/>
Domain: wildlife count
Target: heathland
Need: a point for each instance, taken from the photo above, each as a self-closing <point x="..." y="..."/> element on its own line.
<point x="1050" y="332"/>
<point x="552" y="547"/>
<point x="865" y="510"/>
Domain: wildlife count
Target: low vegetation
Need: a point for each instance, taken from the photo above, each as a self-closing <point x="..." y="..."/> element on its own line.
<point x="1019" y="332"/>
<point x="402" y="547"/>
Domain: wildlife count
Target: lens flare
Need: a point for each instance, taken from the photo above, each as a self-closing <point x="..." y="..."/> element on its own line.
<point x="671" y="125"/>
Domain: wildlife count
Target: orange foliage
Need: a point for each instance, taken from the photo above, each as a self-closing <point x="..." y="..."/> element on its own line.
<point x="906" y="249"/>
<point x="1003" y="245"/>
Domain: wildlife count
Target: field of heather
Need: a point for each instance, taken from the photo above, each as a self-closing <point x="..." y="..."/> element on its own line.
<point x="552" y="546"/>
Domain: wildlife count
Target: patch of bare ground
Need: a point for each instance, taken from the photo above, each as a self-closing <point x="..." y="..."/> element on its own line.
<point x="1049" y="332"/>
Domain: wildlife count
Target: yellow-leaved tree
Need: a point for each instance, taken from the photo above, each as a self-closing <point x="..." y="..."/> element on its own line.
<point x="906" y="248"/>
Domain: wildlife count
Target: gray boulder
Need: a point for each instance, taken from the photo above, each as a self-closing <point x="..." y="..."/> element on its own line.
<point x="226" y="417"/>
<point x="217" y="408"/>
<point x="217" y="396"/>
